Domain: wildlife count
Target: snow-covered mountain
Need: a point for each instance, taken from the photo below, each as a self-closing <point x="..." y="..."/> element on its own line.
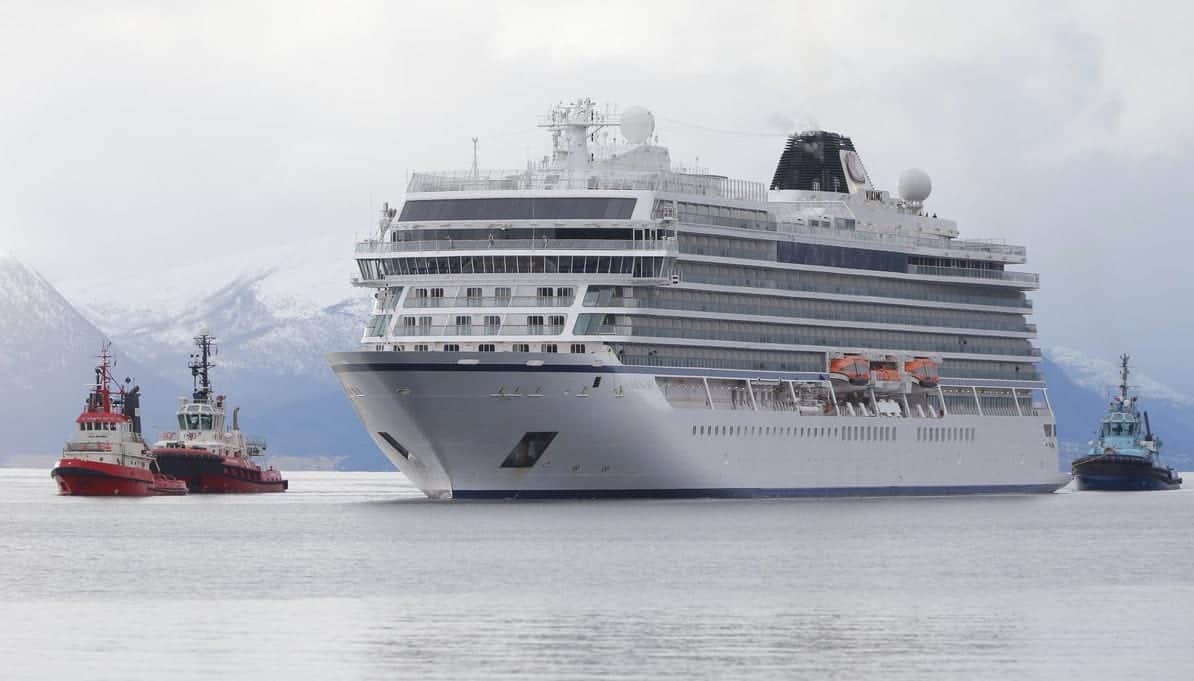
<point x="47" y="354"/>
<point x="275" y="310"/>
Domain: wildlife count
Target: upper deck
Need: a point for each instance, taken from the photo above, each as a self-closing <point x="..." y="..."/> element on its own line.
<point x="610" y="248"/>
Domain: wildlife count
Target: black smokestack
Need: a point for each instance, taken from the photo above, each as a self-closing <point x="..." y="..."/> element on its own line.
<point x="132" y="407"/>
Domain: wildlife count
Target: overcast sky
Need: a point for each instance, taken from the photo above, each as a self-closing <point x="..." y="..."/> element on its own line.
<point x="163" y="130"/>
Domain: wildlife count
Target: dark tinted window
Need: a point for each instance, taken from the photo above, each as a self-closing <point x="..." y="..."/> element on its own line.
<point x="519" y="209"/>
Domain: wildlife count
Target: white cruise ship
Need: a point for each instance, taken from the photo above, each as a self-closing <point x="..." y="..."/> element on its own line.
<point x="601" y="323"/>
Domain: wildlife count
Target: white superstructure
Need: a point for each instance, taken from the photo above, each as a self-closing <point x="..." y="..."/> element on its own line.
<point x="602" y="324"/>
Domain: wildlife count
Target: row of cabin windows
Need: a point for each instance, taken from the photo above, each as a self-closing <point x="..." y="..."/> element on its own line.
<point x="489" y="321"/>
<point x="373" y="269"/>
<point x="860" y="433"/>
<point x="518" y="208"/>
<point x="850" y="284"/>
<point x="869" y="433"/>
<point x="504" y="234"/>
<point x="766" y="431"/>
<point x="574" y="348"/>
<point x="795" y="334"/>
<point x="498" y="292"/>
<point x="97" y="426"/>
<point x="854" y="433"/>
<point x="938" y="434"/>
<point x="778" y="306"/>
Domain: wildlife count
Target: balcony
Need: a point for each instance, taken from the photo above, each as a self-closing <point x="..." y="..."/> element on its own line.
<point x="995" y="250"/>
<point x="375" y="247"/>
<point x="1029" y="278"/>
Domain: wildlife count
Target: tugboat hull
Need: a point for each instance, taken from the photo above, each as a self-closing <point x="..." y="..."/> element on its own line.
<point x="1123" y="474"/>
<point x="205" y="472"/>
<point x="79" y="477"/>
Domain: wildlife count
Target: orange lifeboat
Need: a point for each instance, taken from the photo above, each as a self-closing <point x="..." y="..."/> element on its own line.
<point x="852" y="369"/>
<point x="923" y="371"/>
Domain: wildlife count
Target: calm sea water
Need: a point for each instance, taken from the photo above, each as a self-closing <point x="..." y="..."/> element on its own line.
<point x="355" y="576"/>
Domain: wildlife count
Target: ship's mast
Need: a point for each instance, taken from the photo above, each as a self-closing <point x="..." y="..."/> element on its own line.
<point x="572" y="127"/>
<point x="102" y="400"/>
<point x="1123" y="377"/>
<point x="200" y="364"/>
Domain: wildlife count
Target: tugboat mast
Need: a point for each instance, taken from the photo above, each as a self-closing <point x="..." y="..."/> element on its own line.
<point x="200" y="364"/>
<point x="1123" y="377"/>
<point x="101" y="395"/>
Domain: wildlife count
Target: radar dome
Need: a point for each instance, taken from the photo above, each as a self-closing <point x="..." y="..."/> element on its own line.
<point x="915" y="185"/>
<point x="637" y="124"/>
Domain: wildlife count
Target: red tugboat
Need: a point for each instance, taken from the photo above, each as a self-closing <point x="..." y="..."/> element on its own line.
<point x="209" y="457"/>
<point x="107" y="456"/>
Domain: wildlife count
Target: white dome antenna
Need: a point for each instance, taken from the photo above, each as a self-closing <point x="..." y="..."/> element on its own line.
<point x="915" y="185"/>
<point x="638" y="124"/>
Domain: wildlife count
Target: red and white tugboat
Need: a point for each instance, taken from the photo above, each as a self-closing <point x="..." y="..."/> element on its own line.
<point x="107" y="456"/>
<point x="209" y="457"/>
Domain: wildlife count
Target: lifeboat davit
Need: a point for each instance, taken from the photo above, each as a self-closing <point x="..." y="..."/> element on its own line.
<point x="922" y="371"/>
<point x="854" y="370"/>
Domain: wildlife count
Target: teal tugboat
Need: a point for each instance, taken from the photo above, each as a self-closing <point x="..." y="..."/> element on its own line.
<point x="1125" y="456"/>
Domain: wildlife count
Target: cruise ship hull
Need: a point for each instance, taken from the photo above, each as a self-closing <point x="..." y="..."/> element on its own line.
<point x="452" y="424"/>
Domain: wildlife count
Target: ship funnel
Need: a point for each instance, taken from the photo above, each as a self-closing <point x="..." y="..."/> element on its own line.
<point x="236" y="418"/>
<point x="132" y="407"/>
<point x="820" y="161"/>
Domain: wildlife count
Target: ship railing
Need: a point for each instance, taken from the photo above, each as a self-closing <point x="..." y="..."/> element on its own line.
<point x="992" y="247"/>
<point x="976" y="273"/>
<point x="667" y="246"/>
<point x="587" y="180"/>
